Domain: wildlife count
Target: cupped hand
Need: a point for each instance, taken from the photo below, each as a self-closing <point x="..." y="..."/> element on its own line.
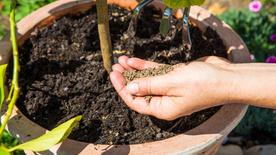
<point x="187" y="89"/>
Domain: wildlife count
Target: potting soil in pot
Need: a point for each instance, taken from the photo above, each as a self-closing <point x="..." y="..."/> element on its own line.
<point x="62" y="75"/>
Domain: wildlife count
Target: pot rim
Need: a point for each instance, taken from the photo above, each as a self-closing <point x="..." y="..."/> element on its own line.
<point x="200" y="137"/>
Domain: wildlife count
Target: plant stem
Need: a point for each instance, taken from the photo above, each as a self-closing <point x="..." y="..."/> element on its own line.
<point x="104" y="34"/>
<point x="10" y="93"/>
<point x="15" y="85"/>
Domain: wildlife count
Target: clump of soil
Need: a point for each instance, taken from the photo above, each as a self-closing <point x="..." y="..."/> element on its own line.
<point x="62" y="75"/>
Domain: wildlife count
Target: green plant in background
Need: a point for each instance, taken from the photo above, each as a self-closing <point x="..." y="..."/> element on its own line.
<point x="2" y="32"/>
<point x="8" y="140"/>
<point x="255" y="29"/>
<point x="24" y="7"/>
<point x="180" y="4"/>
<point x="257" y="119"/>
<point x="43" y="142"/>
<point x="270" y="7"/>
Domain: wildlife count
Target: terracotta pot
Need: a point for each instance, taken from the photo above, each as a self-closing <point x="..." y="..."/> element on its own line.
<point x="204" y="139"/>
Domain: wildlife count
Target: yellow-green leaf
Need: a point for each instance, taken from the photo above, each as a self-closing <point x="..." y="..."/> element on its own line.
<point x="51" y="138"/>
<point x="2" y="83"/>
<point x="179" y="4"/>
<point x="4" y="150"/>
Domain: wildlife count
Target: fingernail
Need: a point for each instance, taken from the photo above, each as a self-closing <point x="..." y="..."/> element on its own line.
<point x="133" y="88"/>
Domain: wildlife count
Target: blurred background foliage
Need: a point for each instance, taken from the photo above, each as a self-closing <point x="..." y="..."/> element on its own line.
<point x="270" y="6"/>
<point x="259" y="124"/>
<point x="10" y="141"/>
<point x="24" y="8"/>
<point x="254" y="29"/>
<point x="2" y="31"/>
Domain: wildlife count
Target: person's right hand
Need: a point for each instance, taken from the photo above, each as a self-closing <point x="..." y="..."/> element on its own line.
<point x="187" y="89"/>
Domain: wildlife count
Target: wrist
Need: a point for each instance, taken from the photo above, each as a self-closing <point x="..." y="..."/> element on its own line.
<point x="249" y="84"/>
<point x="240" y="81"/>
<point x="228" y="84"/>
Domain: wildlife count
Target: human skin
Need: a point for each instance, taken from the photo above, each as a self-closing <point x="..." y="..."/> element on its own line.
<point x="191" y="87"/>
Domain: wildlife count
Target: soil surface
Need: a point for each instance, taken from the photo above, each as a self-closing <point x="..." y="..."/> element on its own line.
<point x="62" y="75"/>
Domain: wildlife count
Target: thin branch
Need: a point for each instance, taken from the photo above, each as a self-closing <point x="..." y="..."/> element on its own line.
<point x="15" y="85"/>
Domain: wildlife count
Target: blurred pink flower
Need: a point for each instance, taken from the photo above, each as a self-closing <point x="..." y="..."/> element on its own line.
<point x="255" y="6"/>
<point x="271" y="59"/>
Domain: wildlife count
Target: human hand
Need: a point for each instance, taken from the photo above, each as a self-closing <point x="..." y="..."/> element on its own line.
<point x="187" y="89"/>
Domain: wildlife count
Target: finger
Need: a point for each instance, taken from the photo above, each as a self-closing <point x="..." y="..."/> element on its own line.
<point x="156" y="107"/>
<point x="123" y="62"/>
<point x="118" y="68"/>
<point x="118" y="82"/>
<point x="157" y="85"/>
<point x="140" y="64"/>
<point x="138" y="104"/>
<point x="214" y="60"/>
<point x="162" y="107"/>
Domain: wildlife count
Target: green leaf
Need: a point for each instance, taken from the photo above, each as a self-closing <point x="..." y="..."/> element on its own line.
<point x="4" y="150"/>
<point x="179" y="4"/>
<point x="2" y="83"/>
<point x="51" y="138"/>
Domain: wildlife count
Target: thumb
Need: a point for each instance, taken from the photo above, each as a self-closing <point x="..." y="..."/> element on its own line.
<point x="157" y="85"/>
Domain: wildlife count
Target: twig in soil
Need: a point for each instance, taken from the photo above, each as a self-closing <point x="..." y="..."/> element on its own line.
<point x="106" y="89"/>
<point x="175" y="125"/>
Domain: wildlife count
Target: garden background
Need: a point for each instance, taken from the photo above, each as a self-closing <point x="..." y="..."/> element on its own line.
<point x="257" y="27"/>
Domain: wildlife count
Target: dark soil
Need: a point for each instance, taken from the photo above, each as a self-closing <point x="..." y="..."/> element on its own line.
<point x="62" y="76"/>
